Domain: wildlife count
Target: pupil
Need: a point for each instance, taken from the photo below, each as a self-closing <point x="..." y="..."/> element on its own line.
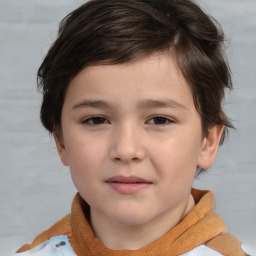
<point x="160" y="120"/>
<point x="98" y="120"/>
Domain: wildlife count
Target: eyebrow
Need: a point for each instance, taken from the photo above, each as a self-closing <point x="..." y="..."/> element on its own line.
<point x="92" y="104"/>
<point x="166" y="103"/>
<point x="144" y="104"/>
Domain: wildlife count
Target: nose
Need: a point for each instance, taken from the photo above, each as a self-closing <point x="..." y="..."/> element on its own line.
<point x="127" y="144"/>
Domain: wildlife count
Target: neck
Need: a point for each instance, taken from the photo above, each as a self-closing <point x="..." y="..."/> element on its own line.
<point x="120" y="236"/>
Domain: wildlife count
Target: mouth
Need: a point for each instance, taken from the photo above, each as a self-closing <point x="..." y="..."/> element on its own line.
<point x="128" y="185"/>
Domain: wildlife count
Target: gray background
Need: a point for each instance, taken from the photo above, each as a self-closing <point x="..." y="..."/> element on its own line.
<point x="36" y="190"/>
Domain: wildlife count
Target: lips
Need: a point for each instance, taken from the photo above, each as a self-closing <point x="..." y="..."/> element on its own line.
<point x="130" y="179"/>
<point x="128" y="185"/>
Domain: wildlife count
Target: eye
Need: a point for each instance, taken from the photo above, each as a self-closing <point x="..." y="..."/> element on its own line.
<point x="160" y="120"/>
<point x="95" y="120"/>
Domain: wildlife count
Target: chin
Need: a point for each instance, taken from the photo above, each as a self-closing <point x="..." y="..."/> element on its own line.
<point x="130" y="218"/>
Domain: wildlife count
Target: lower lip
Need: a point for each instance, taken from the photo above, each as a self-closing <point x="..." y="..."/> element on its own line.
<point x="128" y="188"/>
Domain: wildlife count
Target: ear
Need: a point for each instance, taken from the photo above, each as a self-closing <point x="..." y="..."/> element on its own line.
<point x="61" y="149"/>
<point x="210" y="147"/>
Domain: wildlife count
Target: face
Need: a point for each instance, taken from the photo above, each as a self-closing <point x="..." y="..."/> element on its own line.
<point x="133" y="139"/>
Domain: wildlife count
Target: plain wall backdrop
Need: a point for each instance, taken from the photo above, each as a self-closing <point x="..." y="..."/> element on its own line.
<point x="36" y="190"/>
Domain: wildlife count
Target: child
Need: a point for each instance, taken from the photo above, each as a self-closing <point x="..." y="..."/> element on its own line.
<point x="132" y="93"/>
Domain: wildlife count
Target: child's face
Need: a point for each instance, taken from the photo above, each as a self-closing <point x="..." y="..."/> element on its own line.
<point x="133" y="139"/>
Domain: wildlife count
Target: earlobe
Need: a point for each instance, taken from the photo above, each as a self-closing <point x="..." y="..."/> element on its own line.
<point x="61" y="149"/>
<point x="210" y="147"/>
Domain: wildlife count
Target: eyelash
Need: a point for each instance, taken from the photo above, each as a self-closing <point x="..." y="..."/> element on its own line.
<point x="165" y="120"/>
<point x="100" y="120"/>
<point x="89" y="121"/>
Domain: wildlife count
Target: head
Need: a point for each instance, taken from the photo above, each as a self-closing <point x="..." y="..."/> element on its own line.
<point x="113" y="31"/>
<point x="133" y="90"/>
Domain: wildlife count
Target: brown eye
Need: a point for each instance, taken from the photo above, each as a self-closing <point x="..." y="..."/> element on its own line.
<point x="160" y="120"/>
<point x="96" y="120"/>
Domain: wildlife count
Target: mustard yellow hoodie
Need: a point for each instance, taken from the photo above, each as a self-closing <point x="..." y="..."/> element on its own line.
<point x="201" y="232"/>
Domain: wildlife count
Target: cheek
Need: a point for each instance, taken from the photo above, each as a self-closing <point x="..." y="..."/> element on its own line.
<point x="177" y="156"/>
<point x="85" y="159"/>
<point x="85" y="171"/>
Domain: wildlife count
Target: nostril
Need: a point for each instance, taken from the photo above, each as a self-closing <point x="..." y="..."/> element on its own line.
<point x="119" y="159"/>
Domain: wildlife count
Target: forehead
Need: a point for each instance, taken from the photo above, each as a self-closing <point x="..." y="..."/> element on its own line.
<point x="144" y="75"/>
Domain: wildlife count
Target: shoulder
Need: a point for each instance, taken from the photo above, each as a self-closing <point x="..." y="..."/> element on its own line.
<point x="58" y="245"/>
<point x="227" y="244"/>
<point x="62" y="227"/>
<point x="202" y="250"/>
<point x="223" y="244"/>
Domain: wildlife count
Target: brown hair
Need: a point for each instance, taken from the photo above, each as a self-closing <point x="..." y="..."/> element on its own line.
<point x="117" y="31"/>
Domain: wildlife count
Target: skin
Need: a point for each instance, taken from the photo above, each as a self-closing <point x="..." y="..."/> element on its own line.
<point x="135" y="119"/>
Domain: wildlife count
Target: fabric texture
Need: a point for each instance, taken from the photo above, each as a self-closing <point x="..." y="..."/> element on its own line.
<point x="56" y="246"/>
<point x="59" y="245"/>
<point x="201" y="229"/>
